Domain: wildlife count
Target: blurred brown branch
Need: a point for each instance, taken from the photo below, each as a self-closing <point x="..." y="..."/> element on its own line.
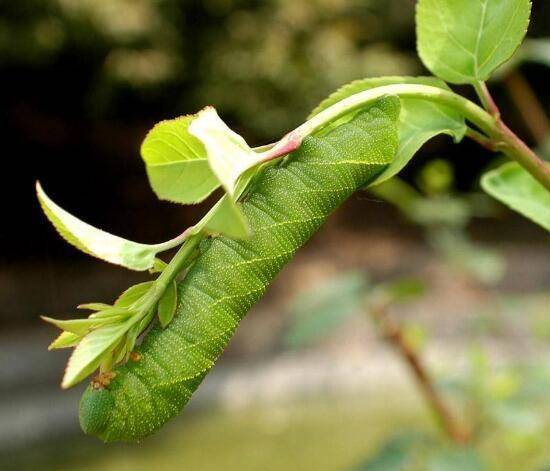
<point x="393" y="333"/>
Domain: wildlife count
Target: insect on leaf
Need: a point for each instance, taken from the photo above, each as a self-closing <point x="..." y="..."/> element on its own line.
<point x="94" y="241"/>
<point x="419" y="120"/>
<point x="464" y="41"/>
<point x="176" y="163"/>
<point x="167" y="304"/>
<point x="512" y="185"/>
<point x="228" y="276"/>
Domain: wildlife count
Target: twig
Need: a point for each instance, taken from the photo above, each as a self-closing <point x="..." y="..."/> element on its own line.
<point x="528" y="105"/>
<point x="508" y="142"/>
<point x="394" y="334"/>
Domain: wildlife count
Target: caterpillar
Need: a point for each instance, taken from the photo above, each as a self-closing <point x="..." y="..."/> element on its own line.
<point x="286" y="206"/>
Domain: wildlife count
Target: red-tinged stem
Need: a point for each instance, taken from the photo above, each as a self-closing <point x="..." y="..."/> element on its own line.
<point x="506" y="141"/>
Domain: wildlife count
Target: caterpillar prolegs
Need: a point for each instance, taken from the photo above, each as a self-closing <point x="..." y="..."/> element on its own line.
<point x="287" y="204"/>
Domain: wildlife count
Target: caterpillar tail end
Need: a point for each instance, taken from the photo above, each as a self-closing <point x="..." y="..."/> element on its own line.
<point x="96" y="406"/>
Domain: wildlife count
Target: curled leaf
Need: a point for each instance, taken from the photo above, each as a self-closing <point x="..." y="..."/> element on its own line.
<point x="228" y="153"/>
<point x="98" y="243"/>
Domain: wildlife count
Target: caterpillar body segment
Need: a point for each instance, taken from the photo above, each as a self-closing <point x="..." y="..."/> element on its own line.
<point x="287" y="205"/>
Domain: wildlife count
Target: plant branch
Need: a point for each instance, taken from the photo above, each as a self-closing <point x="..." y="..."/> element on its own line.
<point x="507" y="141"/>
<point x="394" y="334"/>
<point x="490" y="124"/>
<point x="528" y="105"/>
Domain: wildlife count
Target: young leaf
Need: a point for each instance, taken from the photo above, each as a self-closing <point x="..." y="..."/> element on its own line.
<point x="65" y="340"/>
<point x="158" y="266"/>
<point x="133" y="294"/>
<point x="77" y="326"/>
<point x="167" y="304"/>
<point x="419" y="120"/>
<point x="94" y="306"/>
<point x="176" y="163"/>
<point x="225" y="218"/>
<point x="228" y="153"/>
<point x="464" y="41"/>
<point x="113" y="312"/>
<point x="96" y="242"/>
<point x="515" y="187"/>
<point x="88" y="353"/>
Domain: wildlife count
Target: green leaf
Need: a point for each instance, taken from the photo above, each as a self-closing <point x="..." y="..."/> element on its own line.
<point x="515" y="187"/>
<point x="94" y="306"/>
<point x="167" y="304"/>
<point x="158" y="266"/>
<point x="112" y="312"/>
<point x="320" y="310"/>
<point x="176" y="163"/>
<point x="88" y="353"/>
<point x="225" y="218"/>
<point x="133" y="294"/>
<point x="419" y="120"/>
<point x="96" y="242"/>
<point x="65" y="340"/>
<point x="77" y="326"/>
<point x="228" y="153"/>
<point x="464" y="41"/>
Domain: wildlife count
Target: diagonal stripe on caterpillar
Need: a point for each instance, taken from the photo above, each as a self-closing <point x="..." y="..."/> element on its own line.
<point x="287" y="205"/>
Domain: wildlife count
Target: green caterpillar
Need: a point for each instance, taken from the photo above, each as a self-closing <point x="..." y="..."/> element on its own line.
<point x="285" y="207"/>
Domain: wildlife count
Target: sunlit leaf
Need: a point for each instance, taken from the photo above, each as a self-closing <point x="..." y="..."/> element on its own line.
<point x="176" y="163"/>
<point x="419" y="120"/>
<point x="96" y="242"/>
<point x="94" y="306"/>
<point x="88" y="353"/>
<point x="65" y="340"/>
<point x="464" y="41"/>
<point x="512" y="185"/>
<point x="76" y="326"/>
<point x="167" y="304"/>
<point x="133" y="294"/>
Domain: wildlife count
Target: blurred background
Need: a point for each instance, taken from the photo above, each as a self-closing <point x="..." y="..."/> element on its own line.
<point x="309" y="382"/>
